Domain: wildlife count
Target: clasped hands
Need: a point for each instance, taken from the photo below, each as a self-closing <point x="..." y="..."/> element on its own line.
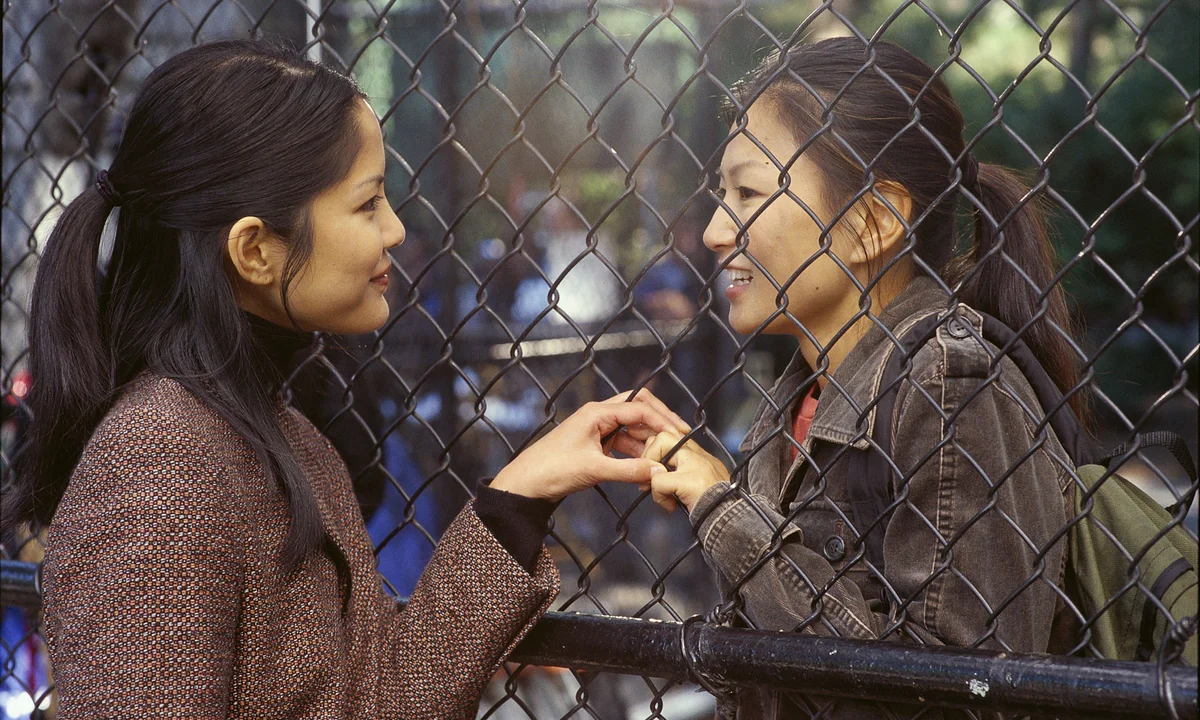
<point x="579" y="454"/>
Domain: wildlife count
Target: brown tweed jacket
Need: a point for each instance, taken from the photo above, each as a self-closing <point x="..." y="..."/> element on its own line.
<point x="164" y="596"/>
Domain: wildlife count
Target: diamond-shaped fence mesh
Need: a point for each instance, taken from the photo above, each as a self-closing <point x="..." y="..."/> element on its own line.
<point x="554" y="165"/>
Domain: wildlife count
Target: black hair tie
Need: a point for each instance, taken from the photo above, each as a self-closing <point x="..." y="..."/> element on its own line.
<point x="105" y="187"/>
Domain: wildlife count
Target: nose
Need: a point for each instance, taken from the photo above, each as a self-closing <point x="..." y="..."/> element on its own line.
<point x="393" y="231"/>
<point x="721" y="234"/>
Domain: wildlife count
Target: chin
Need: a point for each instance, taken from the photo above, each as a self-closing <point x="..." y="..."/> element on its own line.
<point x="364" y="321"/>
<point x="744" y="323"/>
<point x="371" y="322"/>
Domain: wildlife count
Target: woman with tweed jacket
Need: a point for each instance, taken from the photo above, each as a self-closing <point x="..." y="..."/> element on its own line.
<point x="206" y="557"/>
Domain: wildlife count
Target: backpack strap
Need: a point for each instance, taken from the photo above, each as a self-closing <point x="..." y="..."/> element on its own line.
<point x="870" y="473"/>
<point x="1158" y="438"/>
<point x="1079" y="445"/>
<point x="870" y="490"/>
<point x="1173" y="443"/>
<point x="1173" y="572"/>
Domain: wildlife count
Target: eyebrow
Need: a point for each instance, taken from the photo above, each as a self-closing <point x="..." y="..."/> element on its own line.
<point x="739" y="166"/>
<point x="370" y="181"/>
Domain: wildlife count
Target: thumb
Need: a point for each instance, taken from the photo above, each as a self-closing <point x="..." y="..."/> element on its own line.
<point x="627" y="470"/>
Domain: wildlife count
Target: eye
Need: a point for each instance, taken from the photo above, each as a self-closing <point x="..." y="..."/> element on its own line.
<point x="372" y="205"/>
<point x="746" y="193"/>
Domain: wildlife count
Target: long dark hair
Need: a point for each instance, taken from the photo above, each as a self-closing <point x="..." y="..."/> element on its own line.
<point x="839" y="94"/>
<point x="219" y="132"/>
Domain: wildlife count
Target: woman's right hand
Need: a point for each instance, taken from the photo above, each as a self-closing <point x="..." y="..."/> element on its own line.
<point x="574" y="456"/>
<point x="693" y="470"/>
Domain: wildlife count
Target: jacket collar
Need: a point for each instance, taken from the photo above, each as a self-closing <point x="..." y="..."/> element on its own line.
<point x="840" y="416"/>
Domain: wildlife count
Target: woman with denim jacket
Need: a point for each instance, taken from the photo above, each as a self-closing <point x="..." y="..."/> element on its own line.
<point x="836" y="224"/>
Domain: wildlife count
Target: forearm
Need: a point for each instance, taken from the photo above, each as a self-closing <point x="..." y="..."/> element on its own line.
<point x="783" y="584"/>
<point x="473" y="604"/>
<point x="517" y="522"/>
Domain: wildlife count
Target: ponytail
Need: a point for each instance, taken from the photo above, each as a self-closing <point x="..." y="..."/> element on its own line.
<point x="73" y="377"/>
<point x="1010" y="274"/>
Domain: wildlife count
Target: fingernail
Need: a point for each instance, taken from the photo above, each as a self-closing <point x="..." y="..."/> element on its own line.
<point x="657" y="469"/>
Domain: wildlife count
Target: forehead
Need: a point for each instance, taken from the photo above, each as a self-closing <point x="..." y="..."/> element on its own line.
<point x="370" y="133"/>
<point x="763" y="130"/>
<point x="370" y="158"/>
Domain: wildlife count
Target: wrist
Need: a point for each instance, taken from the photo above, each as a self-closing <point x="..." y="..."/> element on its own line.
<point x="706" y="499"/>
<point x="695" y="492"/>
<point x="512" y="483"/>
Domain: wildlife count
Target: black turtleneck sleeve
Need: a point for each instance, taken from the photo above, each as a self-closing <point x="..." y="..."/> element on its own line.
<point x="519" y="523"/>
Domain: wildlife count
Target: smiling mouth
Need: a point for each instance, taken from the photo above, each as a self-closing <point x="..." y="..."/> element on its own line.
<point x="738" y="278"/>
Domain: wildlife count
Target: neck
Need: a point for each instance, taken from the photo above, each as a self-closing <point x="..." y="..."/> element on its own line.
<point x="836" y="351"/>
<point x="278" y="345"/>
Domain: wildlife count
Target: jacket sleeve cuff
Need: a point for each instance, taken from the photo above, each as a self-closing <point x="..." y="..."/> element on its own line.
<point x="518" y="523"/>
<point x="736" y="529"/>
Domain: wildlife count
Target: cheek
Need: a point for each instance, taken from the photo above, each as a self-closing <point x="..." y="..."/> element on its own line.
<point x="337" y="274"/>
<point x="348" y="255"/>
<point x="792" y="243"/>
<point x="800" y="243"/>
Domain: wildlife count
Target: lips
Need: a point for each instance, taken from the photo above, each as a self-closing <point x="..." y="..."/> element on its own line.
<point x="737" y="282"/>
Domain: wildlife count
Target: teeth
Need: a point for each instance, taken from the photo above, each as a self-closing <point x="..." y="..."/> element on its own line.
<point x="738" y="277"/>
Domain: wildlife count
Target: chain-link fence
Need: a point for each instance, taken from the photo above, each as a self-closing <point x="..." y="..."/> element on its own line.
<point x="553" y="163"/>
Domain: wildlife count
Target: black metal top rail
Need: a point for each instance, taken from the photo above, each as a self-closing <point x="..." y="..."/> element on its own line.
<point x="856" y="669"/>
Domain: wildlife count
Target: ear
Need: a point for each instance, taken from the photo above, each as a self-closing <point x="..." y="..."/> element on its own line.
<point x="255" y="254"/>
<point x="883" y="223"/>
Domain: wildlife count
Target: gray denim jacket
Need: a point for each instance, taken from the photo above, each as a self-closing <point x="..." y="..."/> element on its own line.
<point x="970" y="554"/>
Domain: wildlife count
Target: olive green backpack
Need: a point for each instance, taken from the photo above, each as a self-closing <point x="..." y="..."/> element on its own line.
<point x="1114" y="582"/>
<point x="1132" y="566"/>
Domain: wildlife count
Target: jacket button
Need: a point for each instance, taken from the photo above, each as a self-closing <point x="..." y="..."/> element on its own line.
<point x="958" y="328"/>
<point x="835" y="548"/>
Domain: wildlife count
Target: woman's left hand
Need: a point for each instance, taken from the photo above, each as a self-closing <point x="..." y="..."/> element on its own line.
<point x="692" y="471"/>
<point x="577" y="454"/>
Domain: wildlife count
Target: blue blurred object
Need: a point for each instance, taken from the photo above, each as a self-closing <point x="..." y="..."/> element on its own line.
<point x="407" y="552"/>
<point x="25" y="675"/>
